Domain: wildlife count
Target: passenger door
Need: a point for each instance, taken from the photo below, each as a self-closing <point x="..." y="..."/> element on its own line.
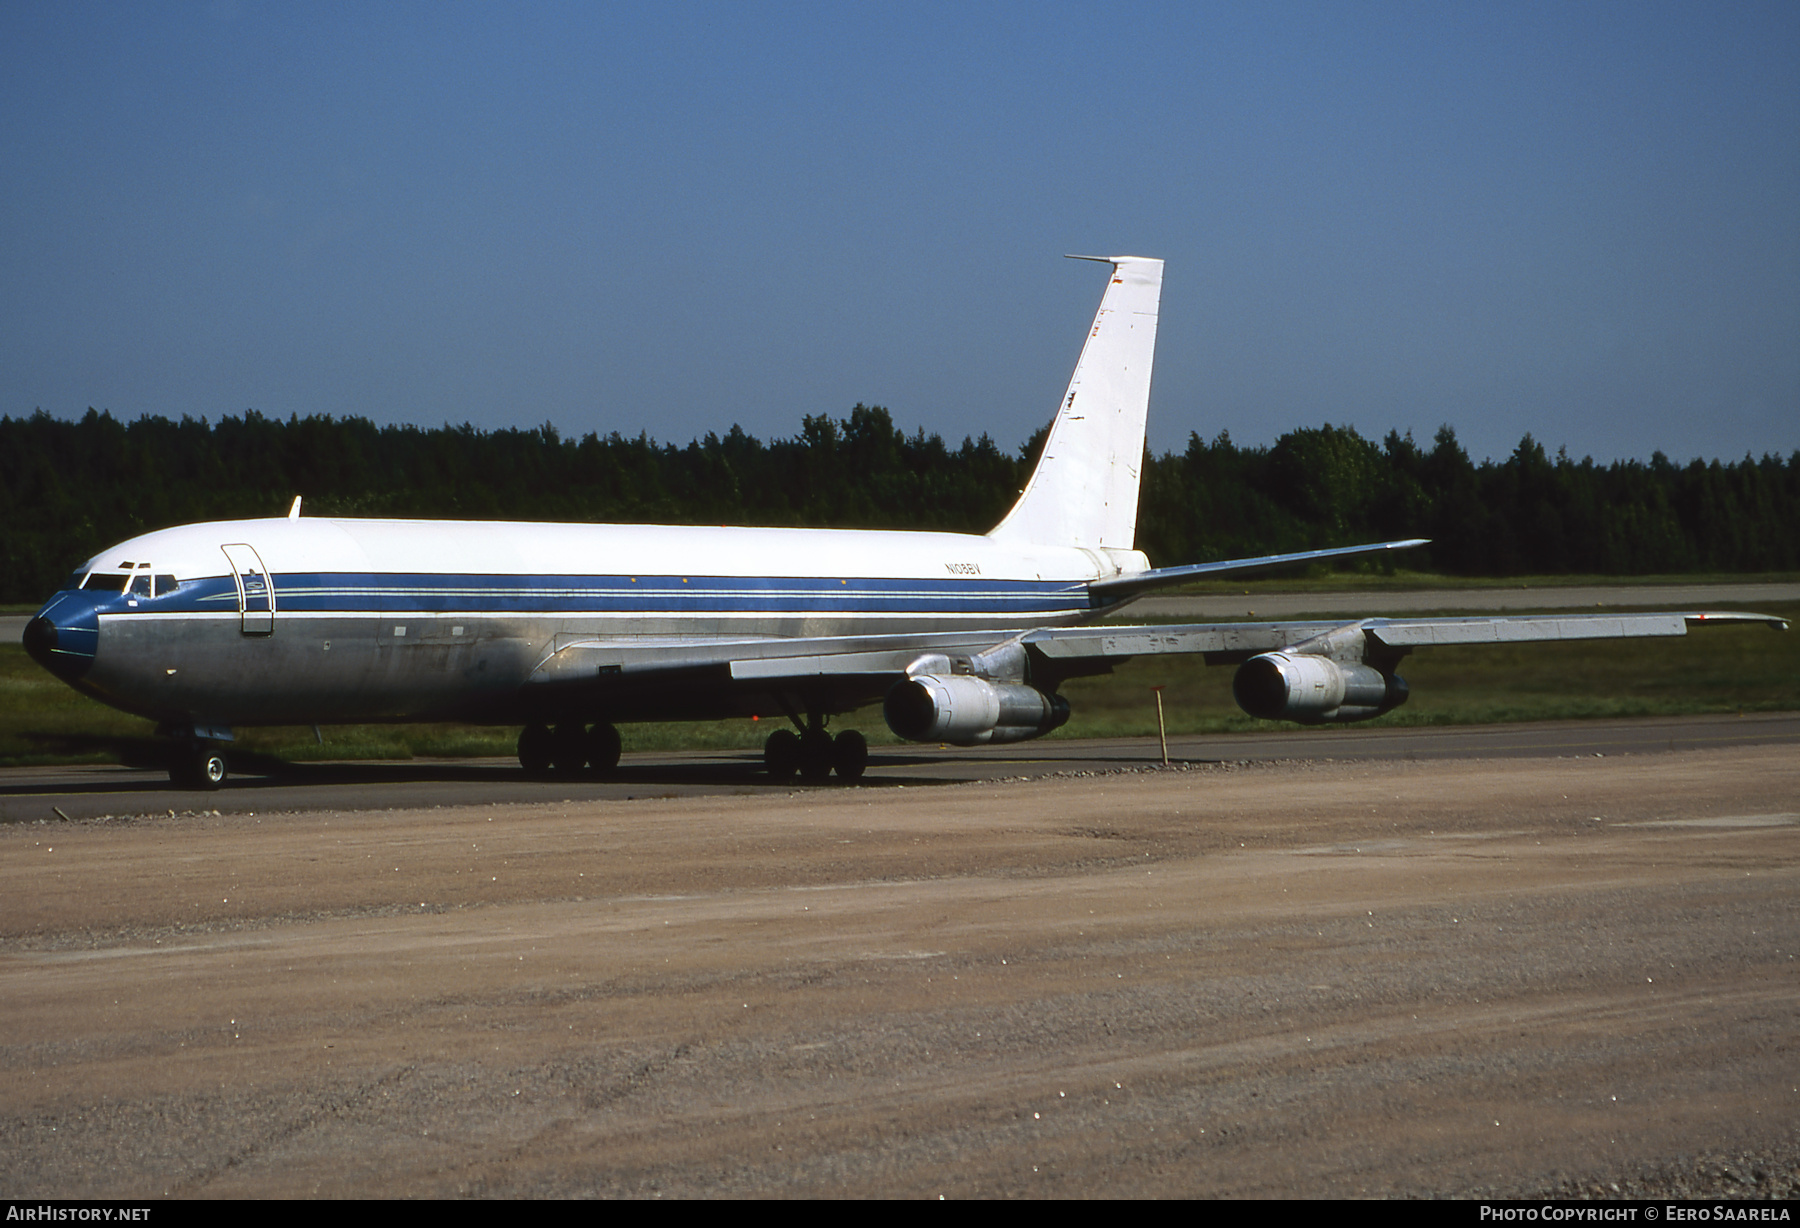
<point x="255" y="589"/>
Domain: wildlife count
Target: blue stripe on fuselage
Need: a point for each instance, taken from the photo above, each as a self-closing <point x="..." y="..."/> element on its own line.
<point x="427" y="593"/>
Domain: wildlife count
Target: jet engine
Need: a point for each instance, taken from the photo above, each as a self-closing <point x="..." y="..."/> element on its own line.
<point x="1285" y="686"/>
<point x="969" y="711"/>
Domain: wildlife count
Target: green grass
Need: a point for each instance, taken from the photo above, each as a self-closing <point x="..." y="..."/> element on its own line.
<point x="1713" y="669"/>
<point x="32" y="701"/>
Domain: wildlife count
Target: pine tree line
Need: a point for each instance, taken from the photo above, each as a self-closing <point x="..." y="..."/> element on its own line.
<point x="68" y="489"/>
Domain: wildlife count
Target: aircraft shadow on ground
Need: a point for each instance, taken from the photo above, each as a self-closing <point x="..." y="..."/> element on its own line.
<point x="253" y="770"/>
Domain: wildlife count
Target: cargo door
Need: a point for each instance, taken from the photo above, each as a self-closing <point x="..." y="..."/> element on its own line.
<point x="255" y="590"/>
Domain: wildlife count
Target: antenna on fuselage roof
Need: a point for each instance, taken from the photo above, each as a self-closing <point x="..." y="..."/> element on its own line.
<point x="294" y="511"/>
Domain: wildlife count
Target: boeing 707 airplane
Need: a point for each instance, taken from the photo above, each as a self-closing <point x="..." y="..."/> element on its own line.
<point x="569" y="629"/>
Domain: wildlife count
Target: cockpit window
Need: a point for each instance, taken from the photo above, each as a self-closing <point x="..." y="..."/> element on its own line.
<point x="133" y="578"/>
<point x="75" y="580"/>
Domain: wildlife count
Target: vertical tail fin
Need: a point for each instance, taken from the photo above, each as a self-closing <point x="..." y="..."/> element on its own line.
<point x="1084" y="491"/>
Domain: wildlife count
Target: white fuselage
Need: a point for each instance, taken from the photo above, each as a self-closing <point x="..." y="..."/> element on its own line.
<point x="318" y="620"/>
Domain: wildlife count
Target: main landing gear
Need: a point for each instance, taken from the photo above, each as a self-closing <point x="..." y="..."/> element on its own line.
<point x="815" y="754"/>
<point x="568" y="749"/>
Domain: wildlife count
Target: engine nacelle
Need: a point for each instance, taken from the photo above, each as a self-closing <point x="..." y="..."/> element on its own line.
<point x="1281" y="686"/>
<point x="968" y="711"/>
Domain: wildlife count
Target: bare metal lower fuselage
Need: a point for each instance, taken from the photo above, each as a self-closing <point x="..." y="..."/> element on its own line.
<point x="316" y="621"/>
<point x="481" y="670"/>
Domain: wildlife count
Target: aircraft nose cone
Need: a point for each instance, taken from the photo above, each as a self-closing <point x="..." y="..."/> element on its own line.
<point x="67" y="648"/>
<point x="40" y="640"/>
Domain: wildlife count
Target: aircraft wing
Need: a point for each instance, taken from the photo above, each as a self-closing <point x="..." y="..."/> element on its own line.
<point x="576" y="661"/>
<point x="969" y="687"/>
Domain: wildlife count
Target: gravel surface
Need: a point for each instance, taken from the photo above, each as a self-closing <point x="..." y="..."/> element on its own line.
<point x="1525" y="978"/>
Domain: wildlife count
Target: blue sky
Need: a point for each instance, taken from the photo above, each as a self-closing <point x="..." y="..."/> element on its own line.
<point x="1576" y="220"/>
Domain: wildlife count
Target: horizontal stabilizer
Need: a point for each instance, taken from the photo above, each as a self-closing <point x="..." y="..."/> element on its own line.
<point x="1119" y="587"/>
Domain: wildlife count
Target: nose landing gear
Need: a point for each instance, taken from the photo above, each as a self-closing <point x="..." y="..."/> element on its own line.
<point x="196" y="759"/>
<point x="197" y="766"/>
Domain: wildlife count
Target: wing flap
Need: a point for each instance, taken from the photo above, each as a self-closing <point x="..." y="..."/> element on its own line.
<point x="1076" y="643"/>
<point x="1525" y="628"/>
<point x="1419" y="633"/>
<point x="581" y="660"/>
<point x="765" y="669"/>
<point x="1235" y="639"/>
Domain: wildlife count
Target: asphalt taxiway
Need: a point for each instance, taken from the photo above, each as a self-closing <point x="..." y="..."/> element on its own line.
<point x="91" y="791"/>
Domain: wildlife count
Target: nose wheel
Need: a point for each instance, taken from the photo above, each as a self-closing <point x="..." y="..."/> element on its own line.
<point x="197" y="767"/>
